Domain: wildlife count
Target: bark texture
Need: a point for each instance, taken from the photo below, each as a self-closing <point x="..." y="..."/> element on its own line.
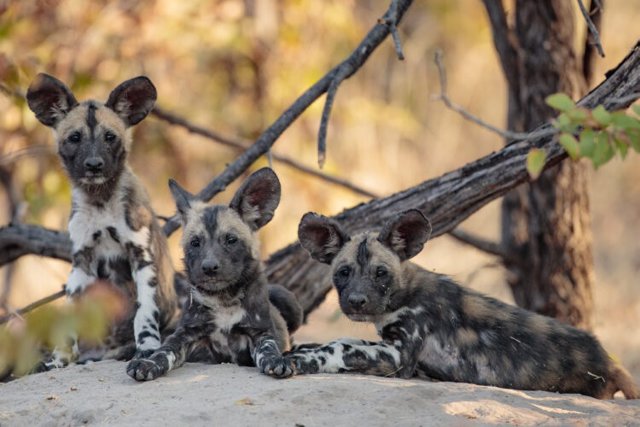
<point x="547" y="223"/>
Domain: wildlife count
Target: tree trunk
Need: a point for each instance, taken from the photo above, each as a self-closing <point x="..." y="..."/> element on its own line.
<point x="546" y="224"/>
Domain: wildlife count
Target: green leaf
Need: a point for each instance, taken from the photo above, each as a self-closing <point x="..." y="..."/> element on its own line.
<point x="624" y="122"/>
<point x="564" y="123"/>
<point x="601" y="115"/>
<point x="560" y="101"/>
<point x="570" y="144"/>
<point x="603" y="151"/>
<point x="634" y="140"/>
<point x="587" y="142"/>
<point x="577" y="115"/>
<point x="535" y="162"/>
<point x="622" y="147"/>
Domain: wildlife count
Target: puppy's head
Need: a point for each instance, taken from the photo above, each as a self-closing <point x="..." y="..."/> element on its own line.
<point x="92" y="137"/>
<point x="366" y="268"/>
<point x="219" y="242"/>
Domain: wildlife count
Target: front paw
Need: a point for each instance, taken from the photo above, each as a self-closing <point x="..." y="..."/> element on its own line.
<point x="277" y="367"/>
<point x="144" y="369"/>
<point x="301" y="364"/>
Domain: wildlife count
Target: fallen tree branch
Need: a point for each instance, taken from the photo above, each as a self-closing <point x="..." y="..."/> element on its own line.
<point x="17" y="240"/>
<point x="264" y="142"/>
<point x="449" y="199"/>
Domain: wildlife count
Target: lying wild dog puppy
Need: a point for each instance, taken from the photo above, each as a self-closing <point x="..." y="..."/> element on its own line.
<point x="113" y="230"/>
<point x="432" y="327"/>
<point x="230" y="317"/>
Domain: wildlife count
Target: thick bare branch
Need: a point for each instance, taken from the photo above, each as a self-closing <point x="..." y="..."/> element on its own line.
<point x="17" y="240"/>
<point x="450" y="198"/>
<point x="264" y="142"/>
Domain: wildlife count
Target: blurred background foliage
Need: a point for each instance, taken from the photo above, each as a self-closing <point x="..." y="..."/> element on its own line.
<point x="234" y="66"/>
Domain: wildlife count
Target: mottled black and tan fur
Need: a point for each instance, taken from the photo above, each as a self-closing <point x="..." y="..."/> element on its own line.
<point x="234" y="316"/>
<point x="113" y="229"/>
<point x="434" y="328"/>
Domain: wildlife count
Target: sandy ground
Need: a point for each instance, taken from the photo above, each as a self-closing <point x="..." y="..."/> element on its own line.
<point x="102" y="394"/>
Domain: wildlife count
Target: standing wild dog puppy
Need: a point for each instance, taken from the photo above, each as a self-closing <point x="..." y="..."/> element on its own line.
<point x="233" y="315"/>
<point x="113" y="230"/>
<point x="430" y="326"/>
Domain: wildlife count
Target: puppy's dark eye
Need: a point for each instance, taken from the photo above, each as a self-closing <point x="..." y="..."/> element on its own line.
<point x="231" y="239"/>
<point x="344" y="271"/>
<point x="75" y="137"/>
<point x="381" y="272"/>
<point x="109" y="136"/>
<point x="195" y="242"/>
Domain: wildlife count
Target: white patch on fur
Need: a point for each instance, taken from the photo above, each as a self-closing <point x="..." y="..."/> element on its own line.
<point x="171" y="359"/>
<point x="227" y="317"/>
<point x="78" y="280"/>
<point x="435" y="354"/>
<point x="146" y="295"/>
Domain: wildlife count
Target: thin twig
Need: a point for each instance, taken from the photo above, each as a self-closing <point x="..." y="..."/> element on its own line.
<point x="34" y="150"/>
<point x="592" y="28"/>
<point x="326" y="112"/>
<point x="238" y="144"/>
<point x="589" y="55"/>
<point x="33" y="306"/>
<point x="514" y="136"/>
<point x="392" y="23"/>
<point x="484" y="245"/>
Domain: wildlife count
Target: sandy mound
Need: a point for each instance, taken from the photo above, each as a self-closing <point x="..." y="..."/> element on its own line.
<point x="101" y="393"/>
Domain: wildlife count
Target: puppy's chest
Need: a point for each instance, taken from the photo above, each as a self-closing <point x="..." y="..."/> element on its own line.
<point x="230" y="333"/>
<point x="102" y="235"/>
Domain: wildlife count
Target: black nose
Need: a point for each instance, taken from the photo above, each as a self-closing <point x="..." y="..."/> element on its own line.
<point x="209" y="267"/>
<point x="357" y="300"/>
<point x="94" y="164"/>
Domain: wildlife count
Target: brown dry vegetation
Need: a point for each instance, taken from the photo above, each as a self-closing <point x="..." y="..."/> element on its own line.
<point x="234" y="66"/>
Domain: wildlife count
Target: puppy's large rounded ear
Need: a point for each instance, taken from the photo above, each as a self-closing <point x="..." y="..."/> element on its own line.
<point x="49" y="99"/>
<point x="322" y="237"/>
<point x="181" y="196"/>
<point x="133" y="99"/>
<point x="257" y="198"/>
<point x="406" y="234"/>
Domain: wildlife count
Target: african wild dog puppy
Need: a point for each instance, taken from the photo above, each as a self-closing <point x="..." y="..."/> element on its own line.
<point x="432" y="327"/>
<point x="230" y="318"/>
<point x="114" y="233"/>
